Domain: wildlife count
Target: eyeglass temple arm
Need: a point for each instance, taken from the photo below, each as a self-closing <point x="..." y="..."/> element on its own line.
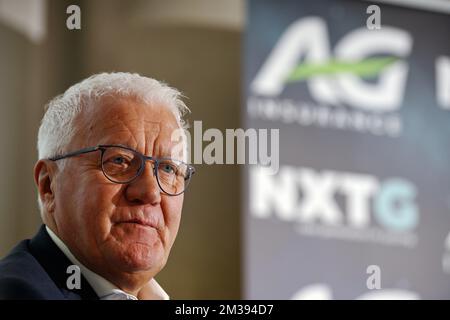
<point x="75" y="153"/>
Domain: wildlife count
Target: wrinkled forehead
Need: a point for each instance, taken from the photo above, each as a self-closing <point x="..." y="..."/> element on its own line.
<point x="126" y="121"/>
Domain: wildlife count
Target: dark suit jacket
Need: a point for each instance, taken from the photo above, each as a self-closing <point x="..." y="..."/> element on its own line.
<point x="37" y="269"/>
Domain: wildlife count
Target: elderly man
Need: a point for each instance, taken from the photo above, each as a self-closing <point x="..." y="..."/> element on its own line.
<point x="110" y="193"/>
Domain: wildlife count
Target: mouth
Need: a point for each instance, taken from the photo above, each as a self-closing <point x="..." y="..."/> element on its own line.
<point x="147" y="230"/>
<point x="139" y="222"/>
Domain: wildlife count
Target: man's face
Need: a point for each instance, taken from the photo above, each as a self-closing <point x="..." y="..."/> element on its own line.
<point x="100" y="220"/>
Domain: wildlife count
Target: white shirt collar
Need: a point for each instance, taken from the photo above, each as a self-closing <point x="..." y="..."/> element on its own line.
<point x="101" y="286"/>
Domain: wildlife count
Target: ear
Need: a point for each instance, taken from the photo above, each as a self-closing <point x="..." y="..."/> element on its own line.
<point x="44" y="172"/>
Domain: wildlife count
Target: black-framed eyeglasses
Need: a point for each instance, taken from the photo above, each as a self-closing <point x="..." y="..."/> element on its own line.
<point x="121" y="164"/>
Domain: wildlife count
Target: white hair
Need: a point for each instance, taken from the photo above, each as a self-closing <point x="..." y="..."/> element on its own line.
<point x="57" y="126"/>
<point x="56" y="130"/>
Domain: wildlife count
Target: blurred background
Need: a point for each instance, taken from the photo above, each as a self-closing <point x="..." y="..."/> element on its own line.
<point x="236" y="240"/>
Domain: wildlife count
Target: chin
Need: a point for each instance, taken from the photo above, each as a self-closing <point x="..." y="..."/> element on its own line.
<point x="141" y="257"/>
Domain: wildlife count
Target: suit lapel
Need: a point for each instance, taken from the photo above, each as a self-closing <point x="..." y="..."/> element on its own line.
<point x="55" y="264"/>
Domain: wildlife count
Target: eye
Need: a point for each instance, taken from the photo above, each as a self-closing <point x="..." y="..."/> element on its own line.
<point x="167" y="168"/>
<point x="118" y="160"/>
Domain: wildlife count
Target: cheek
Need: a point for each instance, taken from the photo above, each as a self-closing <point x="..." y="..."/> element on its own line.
<point x="87" y="206"/>
<point x="98" y="203"/>
<point x="172" y="207"/>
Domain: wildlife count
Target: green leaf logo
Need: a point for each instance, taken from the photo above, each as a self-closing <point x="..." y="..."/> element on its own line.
<point x="368" y="68"/>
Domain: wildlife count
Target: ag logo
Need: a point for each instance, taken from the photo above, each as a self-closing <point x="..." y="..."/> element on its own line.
<point x="339" y="78"/>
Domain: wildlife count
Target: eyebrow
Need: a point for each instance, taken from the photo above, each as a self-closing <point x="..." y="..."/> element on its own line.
<point x="163" y="156"/>
<point x="118" y="145"/>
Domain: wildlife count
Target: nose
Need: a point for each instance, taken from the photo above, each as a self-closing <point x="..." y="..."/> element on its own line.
<point x="144" y="189"/>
